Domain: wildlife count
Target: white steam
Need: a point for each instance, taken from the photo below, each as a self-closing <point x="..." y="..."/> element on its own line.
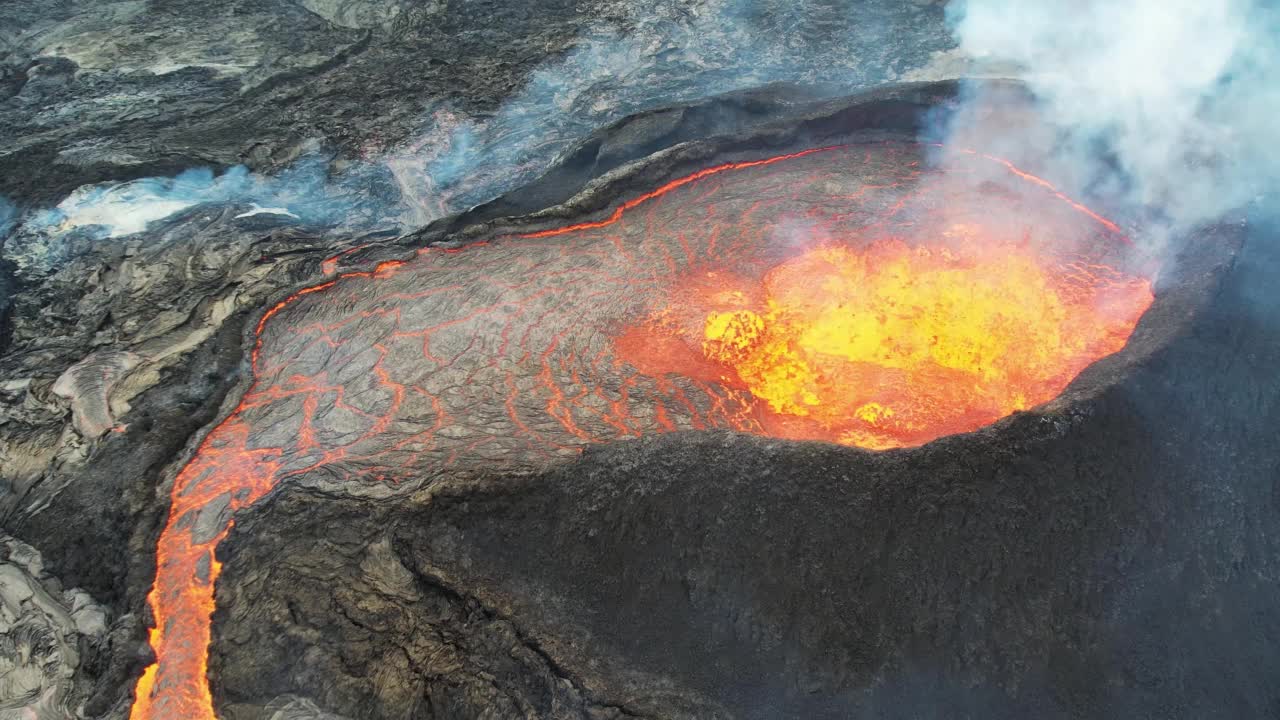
<point x="1166" y="108"/>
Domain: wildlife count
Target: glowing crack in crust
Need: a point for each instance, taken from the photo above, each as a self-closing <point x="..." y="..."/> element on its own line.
<point x="759" y="297"/>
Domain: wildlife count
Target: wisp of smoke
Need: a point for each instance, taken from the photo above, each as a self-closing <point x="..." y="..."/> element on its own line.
<point x="122" y="208"/>
<point x="1162" y="108"/>
<point x="668" y="54"/>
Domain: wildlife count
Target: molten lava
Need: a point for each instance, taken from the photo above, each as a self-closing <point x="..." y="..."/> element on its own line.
<point x="892" y="345"/>
<point x="840" y="294"/>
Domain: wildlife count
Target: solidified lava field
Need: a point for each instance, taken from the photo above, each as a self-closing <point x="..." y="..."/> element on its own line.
<point x="513" y="354"/>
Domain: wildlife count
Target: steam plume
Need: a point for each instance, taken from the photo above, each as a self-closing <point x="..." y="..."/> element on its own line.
<point x="1163" y="108"/>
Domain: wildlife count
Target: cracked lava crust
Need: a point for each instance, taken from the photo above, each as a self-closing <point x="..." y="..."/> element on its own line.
<point x="840" y="294"/>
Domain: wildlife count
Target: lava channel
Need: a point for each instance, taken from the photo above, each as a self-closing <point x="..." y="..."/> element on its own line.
<point x="838" y="294"/>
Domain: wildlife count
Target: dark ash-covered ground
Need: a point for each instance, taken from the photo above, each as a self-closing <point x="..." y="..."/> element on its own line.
<point x="1112" y="557"/>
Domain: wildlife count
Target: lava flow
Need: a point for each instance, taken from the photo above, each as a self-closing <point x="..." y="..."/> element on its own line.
<point x="837" y="294"/>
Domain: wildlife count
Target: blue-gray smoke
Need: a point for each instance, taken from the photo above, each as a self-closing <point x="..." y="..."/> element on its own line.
<point x="669" y="53"/>
<point x="114" y="209"/>
<point x="669" y="57"/>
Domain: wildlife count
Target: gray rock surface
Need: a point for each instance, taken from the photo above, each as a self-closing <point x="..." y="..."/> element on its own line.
<point x="87" y="385"/>
<point x="294" y="708"/>
<point x="46" y="636"/>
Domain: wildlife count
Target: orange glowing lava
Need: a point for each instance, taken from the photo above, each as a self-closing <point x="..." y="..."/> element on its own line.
<point x="891" y="322"/>
<point x="892" y="345"/>
<point x="186" y="569"/>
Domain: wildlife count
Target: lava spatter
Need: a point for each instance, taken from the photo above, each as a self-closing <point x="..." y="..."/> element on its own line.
<point x="690" y="307"/>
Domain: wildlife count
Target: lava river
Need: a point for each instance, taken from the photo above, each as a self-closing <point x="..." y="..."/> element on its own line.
<point x="838" y="294"/>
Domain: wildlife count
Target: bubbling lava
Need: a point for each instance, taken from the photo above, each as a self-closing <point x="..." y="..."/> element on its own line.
<point x="891" y="345"/>
<point x="839" y="293"/>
